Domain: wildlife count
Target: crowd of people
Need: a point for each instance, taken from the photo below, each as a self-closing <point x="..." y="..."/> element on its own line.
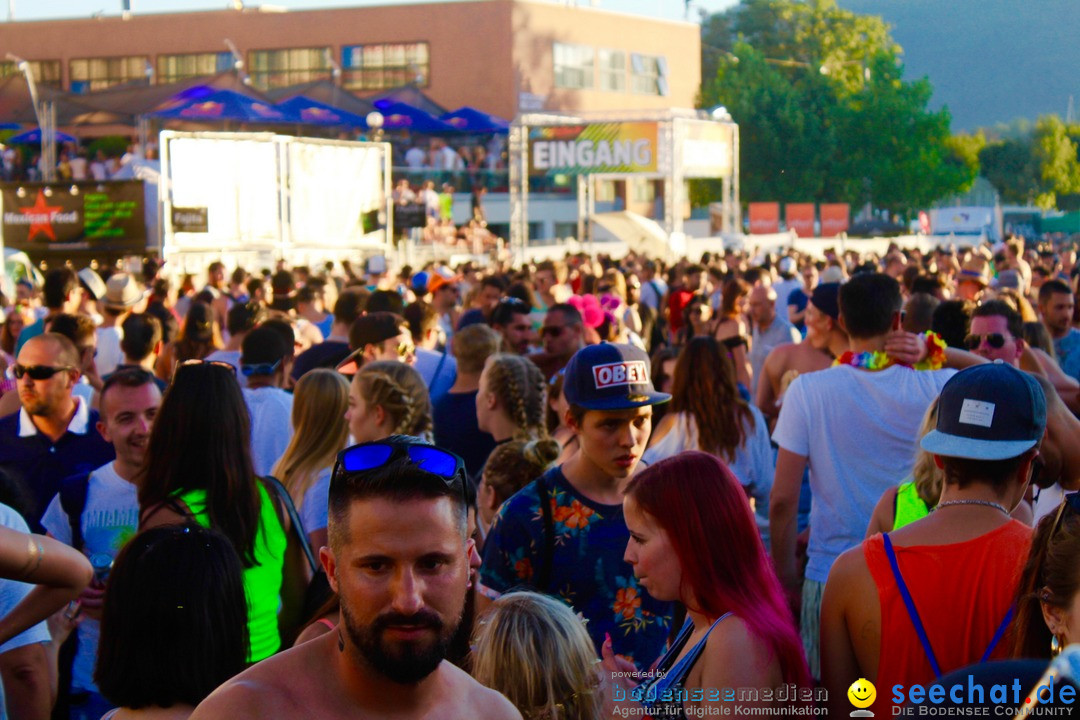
<point x="570" y="489"/>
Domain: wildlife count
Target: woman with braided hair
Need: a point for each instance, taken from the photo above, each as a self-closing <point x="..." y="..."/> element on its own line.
<point x="512" y="400"/>
<point x="388" y="398"/>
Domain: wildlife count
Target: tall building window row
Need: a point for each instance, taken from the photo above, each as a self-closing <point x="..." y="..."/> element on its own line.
<point x="173" y="68"/>
<point x="46" y="72"/>
<point x="574" y="66"/>
<point x="580" y="67"/>
<point x="281" y="68"/>
<point x="648" y="74"/>
<point x="89" y="74"/>
<point x="382" y="66"/>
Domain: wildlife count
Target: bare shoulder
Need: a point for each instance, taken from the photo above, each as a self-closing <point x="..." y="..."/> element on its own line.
<point x="881" y="520"/>
<point x="850" y="566"/>
<point x="482" y="702"/>
<point x="849" y="578"/>
<point x="275" y="687"/>
<point x="734" y="656"/>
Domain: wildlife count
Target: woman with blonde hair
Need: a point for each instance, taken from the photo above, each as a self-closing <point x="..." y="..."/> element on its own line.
<point x="320" y="432"/>
<point x="510" y="467"/>
<point x="388" y="398"/>
<point x="534" y="650"/>
<point x="512" y="401"/>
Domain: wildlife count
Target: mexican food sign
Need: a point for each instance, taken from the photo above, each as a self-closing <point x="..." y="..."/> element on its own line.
<point x="593" y="148"/>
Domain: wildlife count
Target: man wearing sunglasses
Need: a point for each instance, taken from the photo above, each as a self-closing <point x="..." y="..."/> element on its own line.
<point x="399" y="559"/>
<point x="887" y="591"/>
<point x="53" y="435"/>
<point x="996" y="333"/>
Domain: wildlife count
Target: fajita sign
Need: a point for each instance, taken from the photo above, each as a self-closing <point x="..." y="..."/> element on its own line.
<point x="70" y="217"/>
<point x="629" y="147"/>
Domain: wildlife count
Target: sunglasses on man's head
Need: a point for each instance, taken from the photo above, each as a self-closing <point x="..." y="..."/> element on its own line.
<point x="996" y="340"/>
<point x="433" y="460"/>
<point x="38" y="372"/>
<point x="260" y="369"/>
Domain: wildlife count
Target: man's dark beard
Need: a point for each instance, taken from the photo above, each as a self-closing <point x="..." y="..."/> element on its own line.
<point x="404" y="663"/>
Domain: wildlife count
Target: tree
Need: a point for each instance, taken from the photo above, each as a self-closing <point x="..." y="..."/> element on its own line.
<point x="1037" y="166"/>
<point x="824" y="113"/>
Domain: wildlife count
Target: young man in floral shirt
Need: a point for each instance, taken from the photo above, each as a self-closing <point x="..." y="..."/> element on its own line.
<point x="564" y="534"/>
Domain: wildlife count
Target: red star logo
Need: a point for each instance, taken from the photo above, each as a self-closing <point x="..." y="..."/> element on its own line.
<point x="42" y="217"/>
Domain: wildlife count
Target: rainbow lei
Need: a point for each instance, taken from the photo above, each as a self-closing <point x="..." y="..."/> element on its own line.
<point x="877" y="360"/>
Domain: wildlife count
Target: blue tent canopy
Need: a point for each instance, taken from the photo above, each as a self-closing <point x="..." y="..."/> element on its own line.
<point x="312" y="112"/>
<point x="399" y="116"/>
<point x="471" y="120"/>
<point x="220" y="105"/>
<point x="33" y="137"/>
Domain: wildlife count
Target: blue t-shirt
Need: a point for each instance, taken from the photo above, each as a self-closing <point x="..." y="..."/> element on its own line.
<point x="588" y="570"/>
<point x="800" y="300"/>
<point x="1068" y="353"/>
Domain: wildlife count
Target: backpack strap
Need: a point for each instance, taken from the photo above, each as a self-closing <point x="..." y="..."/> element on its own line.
<point x="73" y="491"/>
<point x="547" y="561"/>
<point x="283" y="496"/>
<point x="913" y="613"/>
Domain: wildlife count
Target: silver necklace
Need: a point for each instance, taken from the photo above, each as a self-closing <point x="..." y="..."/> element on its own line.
<point x="987" y="503"/>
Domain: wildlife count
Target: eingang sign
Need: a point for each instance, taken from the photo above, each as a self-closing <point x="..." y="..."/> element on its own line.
<point x="627" y="147"/>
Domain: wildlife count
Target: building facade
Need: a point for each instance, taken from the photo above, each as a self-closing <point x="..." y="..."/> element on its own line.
<point x="500" y="56"/>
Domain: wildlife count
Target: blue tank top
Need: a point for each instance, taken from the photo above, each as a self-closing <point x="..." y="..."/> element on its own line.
<point x="663" y="693"/>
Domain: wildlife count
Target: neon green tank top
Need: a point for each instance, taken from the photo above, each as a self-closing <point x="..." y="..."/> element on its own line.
<point x="262" y="581"/>
<point x="909" y="506"/>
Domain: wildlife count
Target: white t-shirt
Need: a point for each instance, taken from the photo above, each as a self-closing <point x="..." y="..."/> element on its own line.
<point x="12" y="592"/>
<point x="860" y="432"/>
<point x="271" y="425"/>
<point x="109" y="354"/>
<point x="110" y="519"/>
<point x="783" y="291"/>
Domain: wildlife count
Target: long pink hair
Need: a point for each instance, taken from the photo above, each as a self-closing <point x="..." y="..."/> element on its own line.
<point x="699" y="503"/>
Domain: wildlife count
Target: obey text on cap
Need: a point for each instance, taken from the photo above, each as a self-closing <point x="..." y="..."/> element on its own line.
<point x="632" y="372"/>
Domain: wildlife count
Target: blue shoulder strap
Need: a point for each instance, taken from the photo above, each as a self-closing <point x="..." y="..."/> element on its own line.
<point x="913" y="613"/>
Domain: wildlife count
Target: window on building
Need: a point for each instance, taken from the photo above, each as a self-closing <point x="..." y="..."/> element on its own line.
<point x="573" y="66"/>
<point x="378" y="67"/>
<point x="46" y="72"/>
<point x="648" y="74"/>
<point x="88" y="74"/>
<point x="172" y="68"/>
<point x="281" y="68"/>
<point x="611" y="70"/>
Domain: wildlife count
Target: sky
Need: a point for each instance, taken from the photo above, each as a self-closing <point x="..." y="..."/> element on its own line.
<point x="51" y="9"/>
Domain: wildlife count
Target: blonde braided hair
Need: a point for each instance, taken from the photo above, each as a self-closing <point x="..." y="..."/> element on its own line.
<point x="400" y="391"/>
<point x="522" y="391"/>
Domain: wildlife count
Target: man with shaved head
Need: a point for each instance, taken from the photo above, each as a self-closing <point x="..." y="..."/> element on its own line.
<point x="770" y="330"/>
<point x="53" y="435"/>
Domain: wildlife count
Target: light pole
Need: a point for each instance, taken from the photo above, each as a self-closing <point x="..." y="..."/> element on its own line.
<point x="375" y="122"/>
<point x="238" y="62"/>
<point x="45" y="112"/>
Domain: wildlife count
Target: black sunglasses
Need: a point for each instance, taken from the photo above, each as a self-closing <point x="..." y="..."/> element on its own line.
<point x="996" y="340"/>
<point x="433" y="460"/>
<point x="38" y="372"/>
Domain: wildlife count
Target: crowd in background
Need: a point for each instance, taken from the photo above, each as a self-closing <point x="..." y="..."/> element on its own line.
<point x="710" y="468"/>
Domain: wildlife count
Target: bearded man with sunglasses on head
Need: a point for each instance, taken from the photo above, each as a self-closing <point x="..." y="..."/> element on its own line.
<point x="54" y="434"/>
<point x="399" y="558"/>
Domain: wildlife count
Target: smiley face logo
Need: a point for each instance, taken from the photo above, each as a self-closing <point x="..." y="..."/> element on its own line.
<point x="862" y="693"/>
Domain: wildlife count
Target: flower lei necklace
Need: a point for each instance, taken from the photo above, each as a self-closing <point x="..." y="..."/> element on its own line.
<point x="876" y="360"/>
